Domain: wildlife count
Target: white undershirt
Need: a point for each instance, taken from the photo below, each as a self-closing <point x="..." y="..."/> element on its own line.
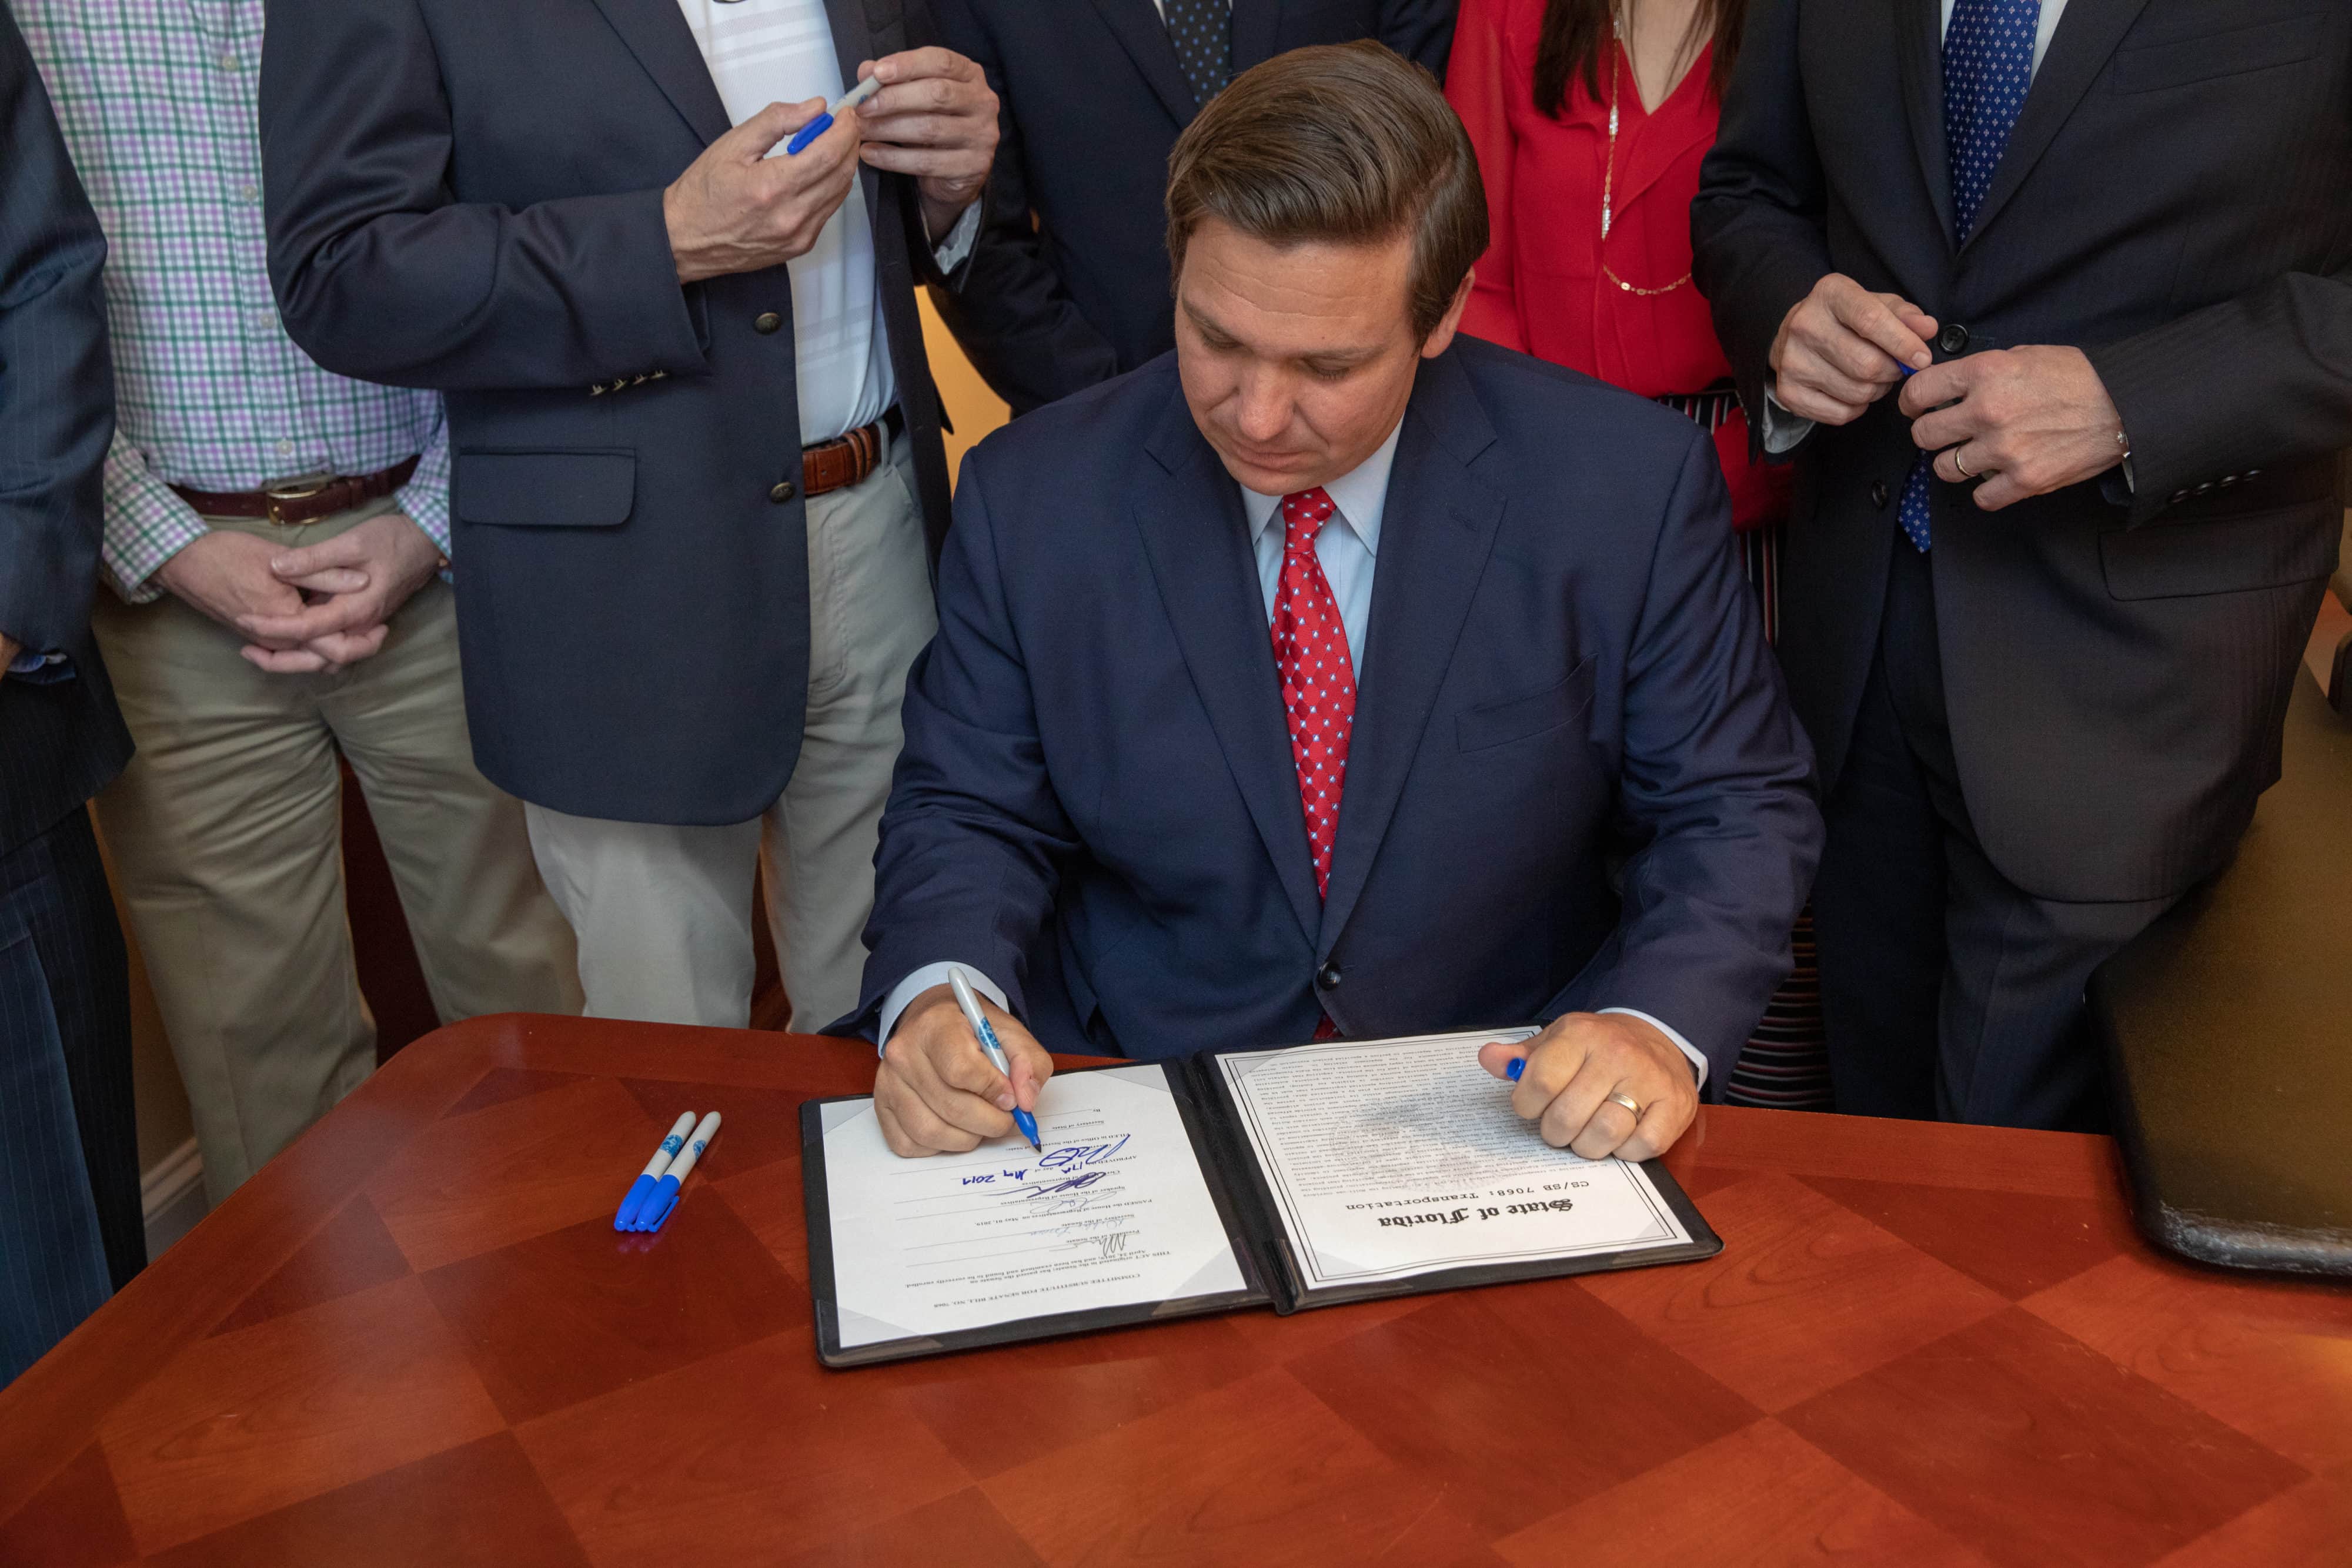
<point x="781" y="51"/>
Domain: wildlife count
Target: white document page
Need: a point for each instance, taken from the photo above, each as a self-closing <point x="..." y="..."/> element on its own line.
<point x="1391" y="1158"/>
<point x="1113" y="1213"/>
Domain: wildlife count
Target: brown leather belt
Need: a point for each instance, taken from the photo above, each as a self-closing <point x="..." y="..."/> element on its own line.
<point x="850" y="459"/>
<point x="289" y="503"/>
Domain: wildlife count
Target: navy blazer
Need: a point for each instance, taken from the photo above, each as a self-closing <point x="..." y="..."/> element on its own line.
<point x="1096" y="804"/>
<point x="469" y="197"/>
<point x="61" y="740"/>
<point x="1069" y="283"/>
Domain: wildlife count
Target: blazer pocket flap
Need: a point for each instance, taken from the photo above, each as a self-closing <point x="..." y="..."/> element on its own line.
<point x="2148" y="67"/>
<point x="2222" y="554"/>
<point x="545" y="490"/>
<point x="1516" y="718"/>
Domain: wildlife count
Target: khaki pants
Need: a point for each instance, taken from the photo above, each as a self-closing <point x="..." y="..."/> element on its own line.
<point x="226" y="832"/>
<point x="663" y="913"/>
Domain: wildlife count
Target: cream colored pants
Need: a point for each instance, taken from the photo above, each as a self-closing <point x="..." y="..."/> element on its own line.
<point x="226" y="832"/>
<point x="663" y="913"/>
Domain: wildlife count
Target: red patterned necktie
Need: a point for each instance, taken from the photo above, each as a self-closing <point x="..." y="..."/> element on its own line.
<point x="1319" y="679"/>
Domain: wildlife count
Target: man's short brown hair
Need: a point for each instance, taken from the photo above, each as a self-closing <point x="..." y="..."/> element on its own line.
<point x="1345" y="144"/>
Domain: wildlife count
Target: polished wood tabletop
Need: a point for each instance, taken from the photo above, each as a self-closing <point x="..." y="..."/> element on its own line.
<point x="416" y="1339"/>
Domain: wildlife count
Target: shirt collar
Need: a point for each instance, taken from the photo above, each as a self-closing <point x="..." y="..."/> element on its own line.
<point x="1359" y="496"/>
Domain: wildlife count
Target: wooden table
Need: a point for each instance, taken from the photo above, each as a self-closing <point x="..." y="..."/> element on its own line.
<point x="416" y="1339"/>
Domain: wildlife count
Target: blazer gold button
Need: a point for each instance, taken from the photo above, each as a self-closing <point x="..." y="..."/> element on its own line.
<point x="784" y="491"/>
<point x="766" y="321"/>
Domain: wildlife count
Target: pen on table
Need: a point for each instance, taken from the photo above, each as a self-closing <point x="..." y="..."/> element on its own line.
<point x="643" y="1188"/>
<point x="823" y="123"/>
<point x="664" y="1198"/>
<point x="989" y="1043"/>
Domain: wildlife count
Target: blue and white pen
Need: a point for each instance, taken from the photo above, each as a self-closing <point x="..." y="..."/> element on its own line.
<point x="664" y="1198"/>
<point x="989" y="1043"/>
<point x="644" y="1186"/>
<point x="823" y="123"/>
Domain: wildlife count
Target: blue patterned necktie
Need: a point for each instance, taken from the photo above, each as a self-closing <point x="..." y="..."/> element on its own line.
<point x="1988" y="67"/>
<point x="1203" y="32"/>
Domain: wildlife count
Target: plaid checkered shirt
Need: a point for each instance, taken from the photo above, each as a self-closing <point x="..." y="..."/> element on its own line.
<point x="157" y="99"/>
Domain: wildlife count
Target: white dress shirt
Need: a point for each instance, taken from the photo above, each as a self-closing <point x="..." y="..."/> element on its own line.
<point x="1784" y="430"/>
<point x="1349" y="550"/>
<point x="781" y="51"/>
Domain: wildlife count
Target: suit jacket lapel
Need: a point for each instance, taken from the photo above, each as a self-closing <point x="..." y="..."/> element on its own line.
<point x="657" y="33"/>
<point x="1253" y="35"/>
<point x="1919" y="43"/>
<point x="1435" y="534"/>
<point x="1144" y="35"/>
<point x="2087" y="34"/>
<point x="1197" y="541"/>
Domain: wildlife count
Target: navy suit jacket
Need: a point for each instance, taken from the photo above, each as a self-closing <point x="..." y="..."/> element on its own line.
<point x="469" y="197"/>
<point x="61" y="737"/>
<point x="1096" y="804"/>
<point x="1069" y="282"/>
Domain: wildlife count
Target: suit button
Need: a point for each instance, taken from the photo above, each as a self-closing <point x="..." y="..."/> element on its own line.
<point x="1878" y="494"/>
<point x="1952" y="339"/>
<point x="766" y="321"/>
<point x="784" y="491"/>
<point x="1328" y="977"/>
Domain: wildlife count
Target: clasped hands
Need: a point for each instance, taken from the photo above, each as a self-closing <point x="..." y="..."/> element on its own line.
<point x="308" y="611"/>
<point x="736" y="209"/>
<point x="2016" y="423"/>
<point x="936" y="1092"/>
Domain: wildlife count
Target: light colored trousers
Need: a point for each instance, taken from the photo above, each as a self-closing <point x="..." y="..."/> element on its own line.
<point x="226" y="831"/>
<point x="663" y="913"/>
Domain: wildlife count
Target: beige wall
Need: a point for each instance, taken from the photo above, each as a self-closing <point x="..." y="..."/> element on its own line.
<point x="972" y="409"/>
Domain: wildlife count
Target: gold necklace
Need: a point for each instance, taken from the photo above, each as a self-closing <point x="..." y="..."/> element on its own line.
<point x="1608" y="170"/>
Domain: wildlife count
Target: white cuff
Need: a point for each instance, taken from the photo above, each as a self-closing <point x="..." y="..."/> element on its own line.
<point x="950" y="251"/>
<point x="930" y="974"/>
<point x="1698" y="1062"/>
<point x="1782" y="431"/>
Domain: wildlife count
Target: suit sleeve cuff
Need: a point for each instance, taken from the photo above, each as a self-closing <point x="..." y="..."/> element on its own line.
<point x="40" y="669"/>
<point x="950" y="252"/>
<point x="1698" y="1062"/>
<point x="930" y="974"/>
<point x="1783" y="431"/>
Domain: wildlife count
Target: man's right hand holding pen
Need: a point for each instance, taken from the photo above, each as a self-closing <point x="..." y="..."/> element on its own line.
<point x="935" y="1092"/>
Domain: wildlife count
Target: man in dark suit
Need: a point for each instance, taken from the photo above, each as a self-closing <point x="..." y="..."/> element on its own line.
<point x="2042" y="609"/>
<point x="697" y="474"/>
<point x="1069" y="284"/>
<point x="70" y="1214"/>
<point x="1141" y="797"/>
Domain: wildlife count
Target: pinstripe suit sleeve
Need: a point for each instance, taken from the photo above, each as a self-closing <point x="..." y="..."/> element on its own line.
<point x="56" y="381"/>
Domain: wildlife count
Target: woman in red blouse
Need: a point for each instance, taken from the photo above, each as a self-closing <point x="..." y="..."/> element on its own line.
<point x="1589" y="127"/>
<point x="1590" y="119"/>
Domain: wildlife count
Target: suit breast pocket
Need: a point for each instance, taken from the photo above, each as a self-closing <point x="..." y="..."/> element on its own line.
<point x="2180" y="62"/>
<point x="1490" y="725"/>
<point x="574" y="489"/>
